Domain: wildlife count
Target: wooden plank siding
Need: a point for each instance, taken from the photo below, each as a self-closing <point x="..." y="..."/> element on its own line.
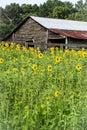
<point x="52" y="35"/>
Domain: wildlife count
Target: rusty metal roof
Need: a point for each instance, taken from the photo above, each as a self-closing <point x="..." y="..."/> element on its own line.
<point x="71" y="33"/>
<point x="68" y="28"/>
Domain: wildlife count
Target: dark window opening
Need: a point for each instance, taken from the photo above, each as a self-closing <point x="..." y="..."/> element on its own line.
<point x="60" y="43"/>
<point x="30" y="46"/>
<point x="29" y="43"/>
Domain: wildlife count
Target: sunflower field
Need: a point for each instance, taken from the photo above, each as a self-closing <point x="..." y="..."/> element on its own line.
<point x="42" y="91"/>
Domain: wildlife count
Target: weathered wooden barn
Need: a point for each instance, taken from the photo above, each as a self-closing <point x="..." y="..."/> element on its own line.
<point x="46" y="32"/>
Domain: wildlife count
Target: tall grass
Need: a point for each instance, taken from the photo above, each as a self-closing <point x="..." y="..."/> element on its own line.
<point x="42" y="91"/>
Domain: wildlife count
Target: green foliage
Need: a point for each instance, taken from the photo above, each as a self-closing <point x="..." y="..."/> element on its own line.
<point x="46" y="9"/>
<point x="14" y="12"/>
<point x="81" y="11"/>
<point x="63" y="10"/>
<point x="5" y="30"/>
<point x="42" y="91"/>
<point x="29" y="10"/>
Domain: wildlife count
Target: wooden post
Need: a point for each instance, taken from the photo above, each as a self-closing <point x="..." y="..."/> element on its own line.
<point x="13" y="37"/>
<point x="66" y="42"/>
<point x="45" y="45"/>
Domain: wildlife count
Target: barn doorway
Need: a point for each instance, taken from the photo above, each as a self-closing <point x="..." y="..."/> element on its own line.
<point x="29" y="43"/>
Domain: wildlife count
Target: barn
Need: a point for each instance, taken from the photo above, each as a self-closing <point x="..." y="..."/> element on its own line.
<point x="47" y="32"/>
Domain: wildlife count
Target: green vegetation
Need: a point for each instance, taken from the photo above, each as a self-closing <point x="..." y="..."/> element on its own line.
<point x="42" y="91"/>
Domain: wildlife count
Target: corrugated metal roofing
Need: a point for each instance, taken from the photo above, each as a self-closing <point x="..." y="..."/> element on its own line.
<point x="61" y="23"/>
<point x="71" y="33"/>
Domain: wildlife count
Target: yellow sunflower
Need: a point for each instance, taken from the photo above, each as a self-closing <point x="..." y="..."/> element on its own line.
<point x="12" y="44"/>
<point x="84" y="54"/>
<point x="56" y="94"/>
<point x="78" y="67"/>
<point x="58" y="59"/>
<point x="40" y="55"/>
<point x="49" y="68"/>
<point x="52" y="50"/>
<point x="6" y="45"/>
<point x="1" y="60"/>
<point x="18" y="47"/>
<point x="34" y="67"/>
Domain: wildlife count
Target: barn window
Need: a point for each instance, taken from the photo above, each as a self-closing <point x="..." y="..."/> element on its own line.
<point x="62" y="41"/>
<point x="29" y="43"/>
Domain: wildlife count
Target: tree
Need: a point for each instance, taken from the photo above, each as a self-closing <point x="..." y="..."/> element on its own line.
<point x="26" y="10"/>
<point x="35" y="9"/>
<point x="5" y="30"/>
<point x="46" y="9"/>
<point x="63" y="10"/>
<point x="14" y="12"/>
<point x="81" y="11"/>
<point x="1" y="16"/>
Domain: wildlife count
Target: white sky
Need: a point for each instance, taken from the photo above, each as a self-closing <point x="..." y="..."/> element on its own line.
<point x="3" y="3"/>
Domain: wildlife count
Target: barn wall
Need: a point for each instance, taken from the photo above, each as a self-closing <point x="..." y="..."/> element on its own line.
<point x="52" y="35"/>
<point x="30" y="30"/>
<point x="77" y="43"/>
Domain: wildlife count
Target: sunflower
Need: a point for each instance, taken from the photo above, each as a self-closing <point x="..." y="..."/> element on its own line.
<point x="58" y="59"/>
<point x="18" y="47"/>
<point x="40" y="55"/>
<point x="34" y="67"/>
<point x="6" y="44"/>
<point x="84" y="54"/>
<point x="56" y="94"/>
<point x="49" y="68"/>
<point x="78" y="67"/>
<point x="11" y="44"/>
<point x="24" y="49"/>
<point x="83" y="49"/>
<point x="52" y="50"/>
<point x="1" y="60"/>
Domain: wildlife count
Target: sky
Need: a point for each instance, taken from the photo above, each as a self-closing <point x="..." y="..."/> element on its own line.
<point x="3" y="3"/>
